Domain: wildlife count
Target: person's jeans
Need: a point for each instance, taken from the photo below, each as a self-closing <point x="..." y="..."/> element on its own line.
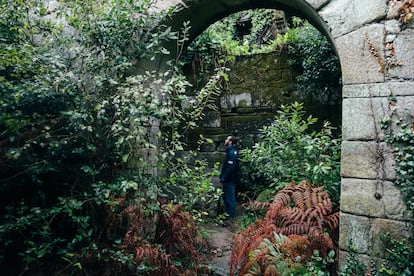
<point x="229" y="197"/>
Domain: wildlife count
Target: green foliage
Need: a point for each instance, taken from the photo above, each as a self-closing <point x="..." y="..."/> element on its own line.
<point x="318" y="265"/>
<point x="74" y="117"/>
<point x="191" y="187"/>
<point x="312" y="55"/>
<point x="274" y="254"/>
<point x="249" y="217"/>
<point x="260" y="37"/>
<point x="220" y="41"/>
<point x="290" y="151"/>
<point x="399" y="256"/>
<point x="352" y="266"/>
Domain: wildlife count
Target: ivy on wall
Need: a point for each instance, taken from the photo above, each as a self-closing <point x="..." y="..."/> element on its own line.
<point x="400" y="136"/>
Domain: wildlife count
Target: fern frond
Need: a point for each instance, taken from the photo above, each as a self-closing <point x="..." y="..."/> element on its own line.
<point x="292" y="215"/>
<point x="282" y="197"/>
<point x="254" y="257"/>
<point x="271" y="270"/>
<point x="256" y="205"/>
<point x="299" y="200"/>
<point x="248" y="240"/>
<point x="295" y="229"/>
<point x="332" y="221"/>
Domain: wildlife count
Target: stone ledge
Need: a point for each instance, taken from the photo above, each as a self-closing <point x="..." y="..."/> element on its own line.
<point x="378" y="89"/>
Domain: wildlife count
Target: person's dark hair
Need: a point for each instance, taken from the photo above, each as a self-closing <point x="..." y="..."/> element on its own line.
<point x="233" y="139"/>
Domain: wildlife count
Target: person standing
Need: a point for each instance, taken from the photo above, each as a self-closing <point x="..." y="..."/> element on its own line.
<point x="229" y="176"/>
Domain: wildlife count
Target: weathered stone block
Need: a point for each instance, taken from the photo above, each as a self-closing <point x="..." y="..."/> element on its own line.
<point x="393" y="10"/>
<point x="355" y="230"/>
<point x="404" y="53"/>
<point x="344" y="16"/>
<point x="244" y="124"/>
<point x="405" y="108"/>
<point x="397" y="230"/>
<point x="361" y="118"/>
<point x="258" y="81"/>
<point x="367" y="160"/>
<point x="371" y="198"/>
<point x="385" y="89"/>
<point x="233" y="101"/>
<point x="358" y="64"/>
<point x="358" y="159"/>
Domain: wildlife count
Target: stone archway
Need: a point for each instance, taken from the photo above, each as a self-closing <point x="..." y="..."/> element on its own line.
<point x="367" y="37"/>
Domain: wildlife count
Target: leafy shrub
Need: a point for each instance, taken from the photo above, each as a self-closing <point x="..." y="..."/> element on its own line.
<point x="399" y="254"/>
<point x="192" y="188"/>
<point x="312" y="55"/>
<point x="290" y="151"/>
<point x="353" y="266"/>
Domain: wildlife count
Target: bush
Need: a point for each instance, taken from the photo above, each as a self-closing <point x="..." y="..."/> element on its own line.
<point x="314" y="58"/>
<point x="290" y="151"/>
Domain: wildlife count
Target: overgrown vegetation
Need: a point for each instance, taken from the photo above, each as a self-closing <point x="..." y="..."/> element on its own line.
<point x="399" y="134"/>
<point x="80" y="127"/>
<point x="399" y="256"/>
<point x="315" y="60"/>
<point x="273" y="162"/>
<point x="310" y="54"/>
<point x="294" y="236"/>
<point x="77" y="133"/>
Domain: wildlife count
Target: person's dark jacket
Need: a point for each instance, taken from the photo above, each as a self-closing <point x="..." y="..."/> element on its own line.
<point x="229" y="171"/>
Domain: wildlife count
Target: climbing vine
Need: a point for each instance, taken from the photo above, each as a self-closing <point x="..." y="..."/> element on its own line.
<point x="399" y="129"/>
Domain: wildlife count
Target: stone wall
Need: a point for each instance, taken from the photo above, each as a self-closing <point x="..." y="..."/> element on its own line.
<point x="370" y="203"/>
<point x="258" y="85"/>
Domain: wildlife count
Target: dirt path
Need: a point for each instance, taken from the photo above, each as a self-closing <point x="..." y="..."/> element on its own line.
<point x="221" y="241"/>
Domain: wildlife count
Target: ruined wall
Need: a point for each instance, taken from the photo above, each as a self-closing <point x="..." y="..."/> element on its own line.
<point x="258" y="85"/>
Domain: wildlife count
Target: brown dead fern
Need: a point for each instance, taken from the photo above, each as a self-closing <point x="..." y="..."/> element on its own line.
<point x="295" y="210"/>
<point x="406" y="11"/>
<point x="175" y="238"/>
<point x="177" y="232"/>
